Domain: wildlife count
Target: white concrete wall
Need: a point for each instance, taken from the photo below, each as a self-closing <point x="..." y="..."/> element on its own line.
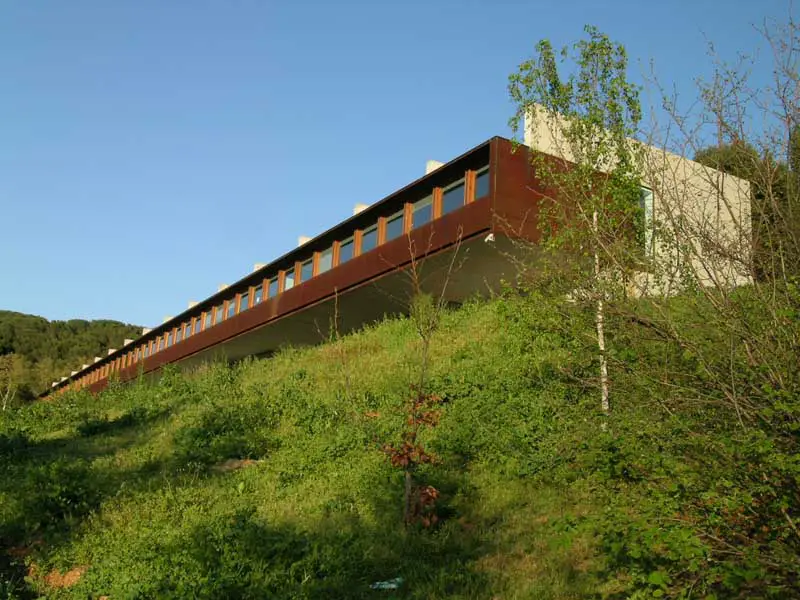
<point x="697" y="207"/>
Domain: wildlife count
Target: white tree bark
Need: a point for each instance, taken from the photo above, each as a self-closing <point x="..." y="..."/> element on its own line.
<point x="601" y="333"/>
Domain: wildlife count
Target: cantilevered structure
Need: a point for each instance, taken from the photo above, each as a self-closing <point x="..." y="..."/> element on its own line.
<point x="457" y="224"/>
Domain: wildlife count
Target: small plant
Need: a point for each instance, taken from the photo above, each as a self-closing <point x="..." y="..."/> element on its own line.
<point x="418" y="501"/>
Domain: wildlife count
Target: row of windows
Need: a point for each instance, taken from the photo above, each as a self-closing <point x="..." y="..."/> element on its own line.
<point x="441" y="202"/>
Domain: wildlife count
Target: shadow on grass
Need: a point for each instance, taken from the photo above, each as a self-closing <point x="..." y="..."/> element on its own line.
<point x="238" y="555"/>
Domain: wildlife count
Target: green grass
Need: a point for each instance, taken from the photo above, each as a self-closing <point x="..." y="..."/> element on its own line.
<point x="535" y="498"/>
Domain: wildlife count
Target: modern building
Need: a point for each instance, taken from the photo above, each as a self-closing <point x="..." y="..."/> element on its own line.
<point x="451" y="232"/>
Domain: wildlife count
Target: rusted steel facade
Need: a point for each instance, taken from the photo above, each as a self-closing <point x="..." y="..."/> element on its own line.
<point x="500" y="196"/>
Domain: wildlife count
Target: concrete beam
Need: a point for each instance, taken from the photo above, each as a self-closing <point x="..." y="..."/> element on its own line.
<point x="432" y="165"/>
<point x="167" y="318"/>
<point x="127" y="341"/>
<point x="222" y="286"/>
<point x="258" y="266"/>
<point x="146" y="330"/>
<point x="360" y="208"/>
<point x="302" y="240"/>
<point x="192" y="304"/>
<point x="111" y="351"/>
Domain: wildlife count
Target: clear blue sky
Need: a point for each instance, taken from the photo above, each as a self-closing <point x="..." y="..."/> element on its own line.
<point x="151" y="150"/>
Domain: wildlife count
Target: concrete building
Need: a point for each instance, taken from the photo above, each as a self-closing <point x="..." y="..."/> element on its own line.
<point x="458" y="224"/>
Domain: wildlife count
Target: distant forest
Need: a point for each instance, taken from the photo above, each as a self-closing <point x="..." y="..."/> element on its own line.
<point x="44" y="351"/>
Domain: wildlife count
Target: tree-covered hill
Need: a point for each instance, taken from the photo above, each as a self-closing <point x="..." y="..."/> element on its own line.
<point x="46" y="350"/>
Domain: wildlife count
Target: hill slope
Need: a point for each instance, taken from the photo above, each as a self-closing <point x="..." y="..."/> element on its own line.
<point x="51" y="349"/>
<point x="271" y="479"/>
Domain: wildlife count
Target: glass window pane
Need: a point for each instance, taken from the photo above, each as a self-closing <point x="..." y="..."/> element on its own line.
<point x="208" y="320"/>
<point x="346" y="251"/>
<point x="258" y="295"/>
<point x="273" y="287"/>
<point x="325" y="261"/>
<point x="169" y="339"/>
<point x="198" y="324"/>
<point x="187" y="329"/>
<point x="453" y="199"/>
<point x="307" y="270"/>
<point x="179" y="334"/>
<point x="369" y="239"/>
<point x="394" y="226"/>
<point x="422" y="212"/>
<point x="232" y="307"/>
<point x="243" y="302"/>
<point x="482" y="184"/>
<point x="160" y="344"/>
<point x="646" y="226"/>
<point x="288" y="281"/>
<point x="220" y="312"/>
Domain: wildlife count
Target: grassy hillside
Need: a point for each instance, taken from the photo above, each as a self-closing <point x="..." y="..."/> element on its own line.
<point x="132" y="494"/>
<point x="48" y="350"/>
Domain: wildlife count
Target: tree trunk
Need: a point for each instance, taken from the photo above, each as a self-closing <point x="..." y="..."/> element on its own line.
<point x="407" y="499"/>
<point x="601" y="331"/>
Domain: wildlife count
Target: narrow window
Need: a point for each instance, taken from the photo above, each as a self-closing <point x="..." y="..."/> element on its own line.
<point x="220" y="313"/>
<point x="198" y="324"/>
<point x="273" y="287"/>
<point x="369" y="239"/>
<point x="307" y="270"/>
<point x="160" y="344"/>
<point x="243" y="300"/>
<point x="169" y="339"/>
<point x="258" y="295"/>
<point x="187" y="330"/>
<point x="422" y="212"/>
<point x="232" y="307"/>
<point x="453" y="198"/>
<point x="179" y="334"/>
<point x="646" y="222"/>
<point x="325" y="260"/>
<point x="288" y="280"/>
<point x="346" y="250"/>
<point x="207" y="324"/>
<point x="147" y="351"/>
<point x="394" y="226"/>
<point x="482" y="183"/>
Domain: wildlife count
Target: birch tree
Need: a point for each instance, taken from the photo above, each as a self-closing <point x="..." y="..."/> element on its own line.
<point x="11" y="374"/>
<point x="588" y="111"/>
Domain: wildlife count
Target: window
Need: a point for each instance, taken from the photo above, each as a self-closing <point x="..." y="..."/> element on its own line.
<point x="453" y="198"/>
<point x="258" y="295"/>
<point x="422" y="212"/>
<point x="137" y="355"/>
<point x="232" y="307"/>
<point x="288" y="280"/>
<point x="208" y="320"/>
<point x="160" y="344"/>
<point x="220" y="312"/>
<point x="346" y="250"/>
<point x="169" y="339"/>
<point x="482" y="183"/>
<point x="187" y="329"/>
<point x="273" y="287"/>
<point x="325" y="260"/>
<point x="646" y="224"/>
<point x="243" y="300"/>
<point x="179" y="334"/>
<point x="198" y="324"/>
<point x="147" y="350"/>
<point x="369" y="239"/>
<point x="394" y="226"/>
<point x="307" y="270"/>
